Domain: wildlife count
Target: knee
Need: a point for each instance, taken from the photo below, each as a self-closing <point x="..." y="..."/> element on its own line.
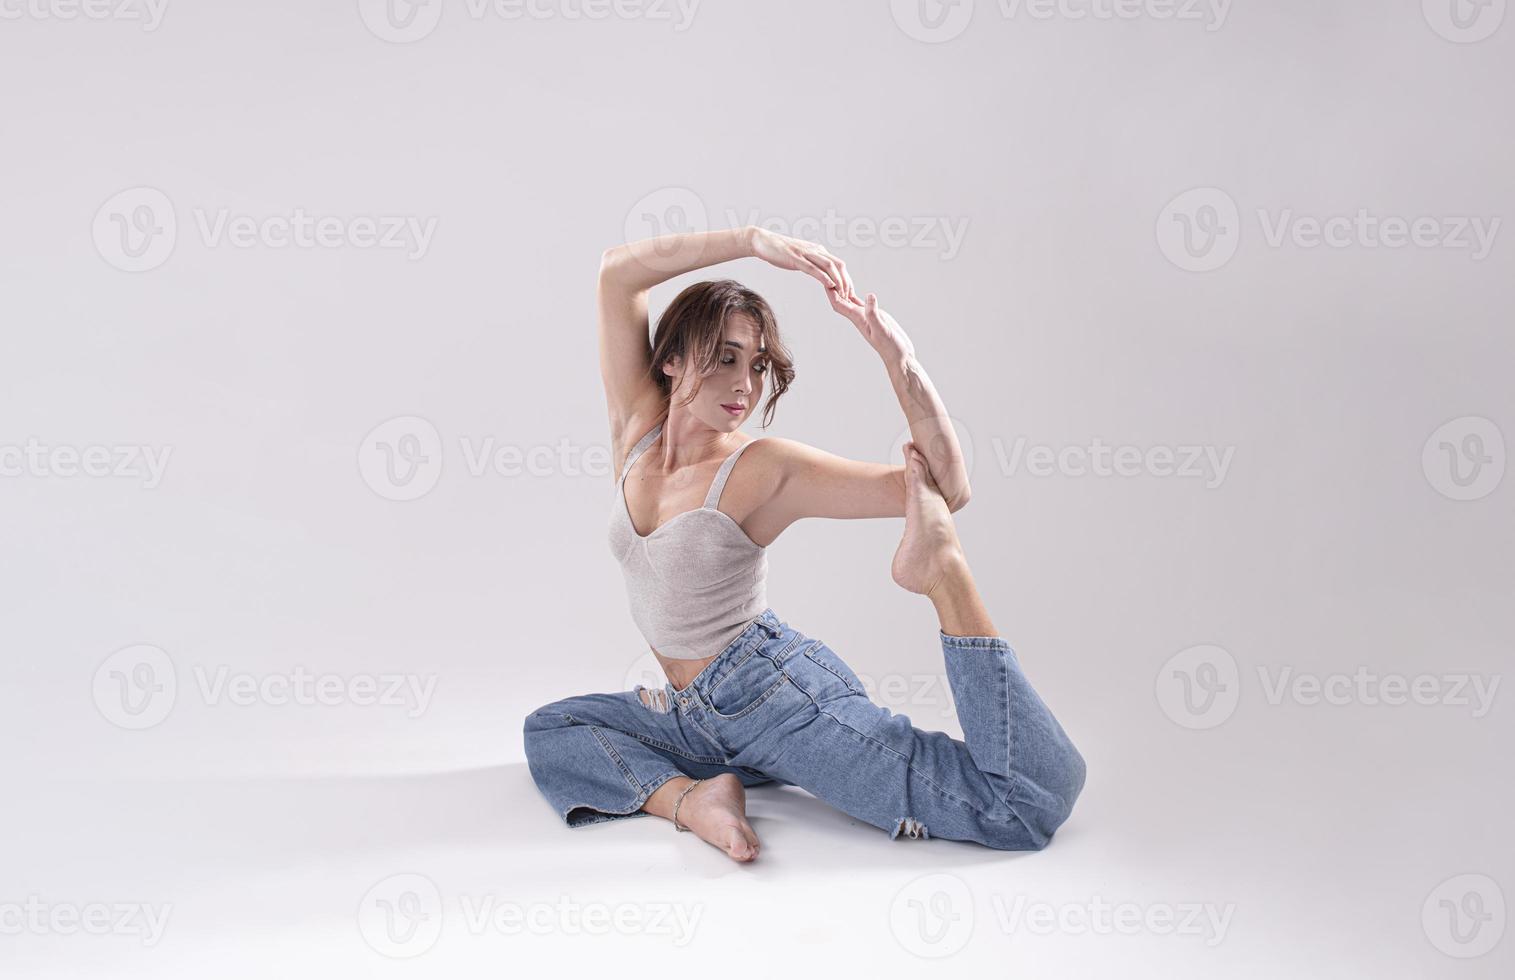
<point x="1038" y="805"/>
<point x="1062" y="783"/>
<point x="545" y="719"/>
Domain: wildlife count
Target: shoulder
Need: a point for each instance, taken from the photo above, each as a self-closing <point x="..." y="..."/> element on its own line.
<point x="783" y="452"/>
<point x="779" y="457"/>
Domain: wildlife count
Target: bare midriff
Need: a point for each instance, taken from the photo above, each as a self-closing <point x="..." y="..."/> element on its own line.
<point x="681" y="672"/>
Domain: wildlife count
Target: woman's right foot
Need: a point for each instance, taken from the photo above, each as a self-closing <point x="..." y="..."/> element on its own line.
<point x="715" y="811"/>
<point x="929" y="550"/>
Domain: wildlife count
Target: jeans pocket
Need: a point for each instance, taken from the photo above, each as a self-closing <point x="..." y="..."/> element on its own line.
<point x="745" y="687"/>
<point x="820" y="673"/>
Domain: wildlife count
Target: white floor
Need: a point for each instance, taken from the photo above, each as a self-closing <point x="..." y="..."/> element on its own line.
<point x="467" y="873"/>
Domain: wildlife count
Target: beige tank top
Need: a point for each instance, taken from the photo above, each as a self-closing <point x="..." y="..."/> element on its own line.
<point x="695" y="583"/>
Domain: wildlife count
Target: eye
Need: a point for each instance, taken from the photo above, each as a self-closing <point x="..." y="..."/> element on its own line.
<point x="761" y="366"/>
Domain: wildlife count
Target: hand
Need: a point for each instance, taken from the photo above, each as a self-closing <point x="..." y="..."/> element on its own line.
<point x="881" y="330"/>
<point x="802" y="256"/>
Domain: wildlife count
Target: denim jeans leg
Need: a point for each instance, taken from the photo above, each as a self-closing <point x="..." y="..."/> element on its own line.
<point x="1010" y="733"/>
<point x="598" y="757"/>
<point x="1008" y="784"/>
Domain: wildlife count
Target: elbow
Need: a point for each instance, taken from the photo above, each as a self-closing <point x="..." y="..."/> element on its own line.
<point x="960" y="501"/>
<point x="610" y="262"/>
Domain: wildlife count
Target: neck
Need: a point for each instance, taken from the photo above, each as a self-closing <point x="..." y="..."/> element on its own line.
<point x="686" y="441"/>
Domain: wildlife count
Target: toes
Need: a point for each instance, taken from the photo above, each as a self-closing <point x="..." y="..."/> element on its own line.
<point x="741" y="847"/>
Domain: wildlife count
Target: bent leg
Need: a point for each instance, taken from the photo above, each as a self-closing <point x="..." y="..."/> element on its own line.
<point x="599" y="757"/>
<point x="1009" y="785"/>
<point x="1012" y="781"/>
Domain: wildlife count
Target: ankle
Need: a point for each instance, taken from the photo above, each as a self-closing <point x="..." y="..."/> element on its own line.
<point x="959" y="607"/>
<point x="660" y="803"/>
<point x="955" y="580"/>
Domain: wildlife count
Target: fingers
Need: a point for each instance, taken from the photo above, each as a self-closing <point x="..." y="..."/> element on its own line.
<point x="814" y="268"/>
<point x="847" y="281"/>
<point x="832" y="273"/>
<point x="833" y="269"/>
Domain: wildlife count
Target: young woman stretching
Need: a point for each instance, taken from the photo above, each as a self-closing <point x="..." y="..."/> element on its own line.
<point x="750" y="698"/>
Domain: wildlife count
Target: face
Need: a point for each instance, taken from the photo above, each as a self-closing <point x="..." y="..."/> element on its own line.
<point x="737" y="381"/>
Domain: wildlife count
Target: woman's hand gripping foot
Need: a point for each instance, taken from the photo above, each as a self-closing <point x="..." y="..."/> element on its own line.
<point x="929" y="550"/>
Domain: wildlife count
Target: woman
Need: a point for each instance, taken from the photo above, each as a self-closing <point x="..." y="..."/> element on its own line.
<point x="751" y="699"/>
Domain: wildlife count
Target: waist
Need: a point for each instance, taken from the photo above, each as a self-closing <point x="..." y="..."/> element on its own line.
<point x="681" y="672"/>
<point x="684" y="674"/>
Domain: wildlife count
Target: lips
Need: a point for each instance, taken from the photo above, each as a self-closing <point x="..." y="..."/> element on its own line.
<point x="735" y="409"/>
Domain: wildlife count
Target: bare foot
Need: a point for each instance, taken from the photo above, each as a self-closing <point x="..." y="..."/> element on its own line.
<point x="716" y="812"/>
<point x="930" y="548"/>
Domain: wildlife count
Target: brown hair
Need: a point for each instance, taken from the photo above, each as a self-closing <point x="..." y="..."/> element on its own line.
<point x="693" y="326"/>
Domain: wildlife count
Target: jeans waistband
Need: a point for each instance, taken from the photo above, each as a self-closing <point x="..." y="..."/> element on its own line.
<point x="765" y="627"/>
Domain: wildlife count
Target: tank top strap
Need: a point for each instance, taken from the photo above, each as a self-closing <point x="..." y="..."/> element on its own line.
<point x="638" y="450"/>
<point x="719" y="483"/>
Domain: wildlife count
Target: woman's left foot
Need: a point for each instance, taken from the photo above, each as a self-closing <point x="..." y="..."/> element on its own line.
<point x="929" y="549"/>
<point x="716" y="811"/>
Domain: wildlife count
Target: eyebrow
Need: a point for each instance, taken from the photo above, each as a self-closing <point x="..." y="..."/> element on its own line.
<point x="738" y="346"/>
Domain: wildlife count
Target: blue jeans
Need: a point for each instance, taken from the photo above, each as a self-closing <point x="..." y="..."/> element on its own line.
<point x="780" y="706"/>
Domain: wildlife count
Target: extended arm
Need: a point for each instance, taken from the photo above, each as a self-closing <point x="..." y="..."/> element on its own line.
<point x="930" y="428"/>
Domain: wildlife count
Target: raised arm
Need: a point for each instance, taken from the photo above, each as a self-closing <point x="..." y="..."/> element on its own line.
<point x="930" y="428"/>
<point x="628" y="271"/>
